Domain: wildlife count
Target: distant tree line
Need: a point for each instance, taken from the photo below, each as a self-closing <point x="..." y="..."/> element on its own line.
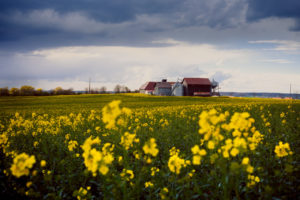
<point x="117" y="89"/>
<point x="101" y="90"/>
<point x="27" y="90"/>
<point x="121" y="89"/>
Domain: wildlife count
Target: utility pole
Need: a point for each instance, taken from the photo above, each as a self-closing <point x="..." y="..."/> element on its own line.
<point x="90" y="85"/>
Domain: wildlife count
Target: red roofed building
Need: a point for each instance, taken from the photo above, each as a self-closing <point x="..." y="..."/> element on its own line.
<point x="148" y="88"/>
<point x="197" y="87"/>
<point x="187" y="87"/>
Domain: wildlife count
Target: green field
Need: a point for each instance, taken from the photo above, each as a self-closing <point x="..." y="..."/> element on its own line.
<point x="79" y="103"/>
<point x="148" y="147"/>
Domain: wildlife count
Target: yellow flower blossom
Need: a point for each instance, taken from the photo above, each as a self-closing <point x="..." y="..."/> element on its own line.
<point x="240" y="143"/>
<point x="110" y="113"/>
<point x="87" y="145"/>
<point x="148" y="184"/>
<point x="249" y="169"/>
<point x="97" y="160"/>
<point x="283" y="149"/>
<point x="197" y="154"/>
<point x="127" y="140"/>
<point x="175" y="163"/>
<point x="82" y="192"/>
<point x="225" y="154"/>
<point x="127" y="174"/>
<point x="103" y="169"/>
<point x="72" y="145"/>
<point x="150" y="147"/>
<point x="28" y="184"/>
<point x="245" y="161"/>
<point x="154" y="170"/>
<point x="234" y="152"/>
<point x="22" y="163"/>
<point x="43" y="163"/>
<point x="163" y="193"/>
<point x="252" y="180"/>
<point x="211" y="144"/>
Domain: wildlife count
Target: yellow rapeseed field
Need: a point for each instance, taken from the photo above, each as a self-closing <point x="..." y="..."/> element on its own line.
<point x="190" y="149"/>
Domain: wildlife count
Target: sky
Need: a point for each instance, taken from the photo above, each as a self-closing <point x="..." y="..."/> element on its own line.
<point x="245" y="45"/>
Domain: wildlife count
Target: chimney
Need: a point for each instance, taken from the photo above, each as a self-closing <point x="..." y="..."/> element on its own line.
<point x="164" y="80"/>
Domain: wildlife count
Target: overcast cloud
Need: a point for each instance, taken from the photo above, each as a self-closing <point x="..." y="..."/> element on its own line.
<point x="246" y="45"/>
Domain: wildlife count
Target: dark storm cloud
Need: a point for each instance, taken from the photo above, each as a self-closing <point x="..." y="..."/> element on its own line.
<point x="103" y="10"/>
<point x="258" y="9"/>
<point x="35" y="24"/>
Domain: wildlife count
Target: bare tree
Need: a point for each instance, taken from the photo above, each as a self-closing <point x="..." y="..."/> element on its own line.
<point x="102" y="90"/>
<point x="86" y="90"/>
<point x="117" y="88"/>
<point x="126" y="89"/>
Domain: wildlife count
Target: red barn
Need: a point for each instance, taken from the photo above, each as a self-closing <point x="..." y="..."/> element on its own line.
<point x="197" y="87"/>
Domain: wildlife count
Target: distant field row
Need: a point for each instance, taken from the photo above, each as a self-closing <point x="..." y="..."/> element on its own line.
<point x="80" y="103"/>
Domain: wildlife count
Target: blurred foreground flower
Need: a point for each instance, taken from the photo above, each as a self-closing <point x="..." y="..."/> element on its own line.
<point x="22" y="163"/>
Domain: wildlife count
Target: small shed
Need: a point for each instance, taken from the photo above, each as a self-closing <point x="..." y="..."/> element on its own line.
<point x="148" y="88"/>
<point x="197" y="87"/>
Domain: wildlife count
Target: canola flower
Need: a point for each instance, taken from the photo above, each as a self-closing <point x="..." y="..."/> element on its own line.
<point x="72" y="145"/>
<point x="22" y="163"/>
<point x="148" y="184"/>
<point x="154" y="170"/>
<point x="245" y="161"/>
<point x="3" y="140"/>
<point x="111" y="112"/>
<point x="163" y="193"/>
<point x="243" y="137"/>
<point x="43" y="163"/>
<point x="128" y="139"/>
<point x="82" y="193"/>
<point x="96" y="160"/>
<point x="282" y="149"/>
<point x="252" y="180"/>
<point x="197" y="154"/>
<point x="127" y="174"/>
<point x="29" y="184"/>
<point x="176" y="163"/>
<point x="191" y="174"/>
<point x="240" y="125"/>
<point x="150" y="147"/>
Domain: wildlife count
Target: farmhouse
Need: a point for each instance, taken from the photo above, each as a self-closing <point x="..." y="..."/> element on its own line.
<point x="186" y="87"/>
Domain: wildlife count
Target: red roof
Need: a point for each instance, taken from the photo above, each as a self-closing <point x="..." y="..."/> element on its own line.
<point x="197" y="81"/>
<point x="148" y="86"/>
